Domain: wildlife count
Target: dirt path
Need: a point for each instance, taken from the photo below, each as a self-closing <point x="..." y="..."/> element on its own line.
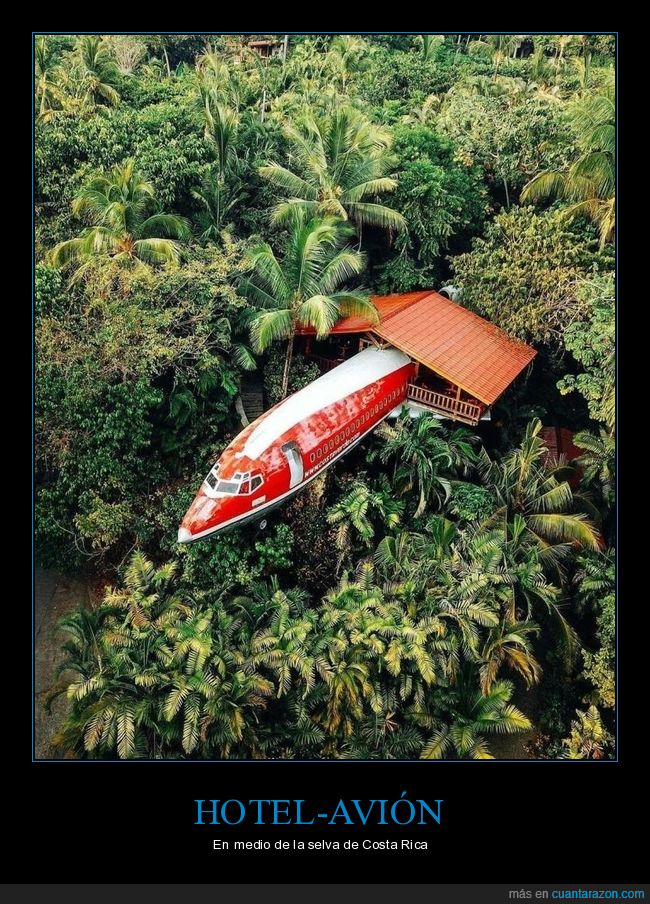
<point x="55" y="596"/>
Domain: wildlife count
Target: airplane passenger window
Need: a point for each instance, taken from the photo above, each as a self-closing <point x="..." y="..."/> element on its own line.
<point x="319" y="453"/>
<point x="312" y="457"/>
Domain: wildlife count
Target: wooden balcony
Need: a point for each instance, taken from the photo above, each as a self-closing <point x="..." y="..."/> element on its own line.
<point x="447" y="406"/>
<point x="325" y="364"/>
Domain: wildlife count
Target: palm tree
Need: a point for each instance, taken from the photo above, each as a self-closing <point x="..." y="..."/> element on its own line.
<point x="157" y="675"/>
<point x="355" y="510"/>
<point x="536" y="503"/>
<point x="221" y="185"/>
<point x="425" y="113"/>
<point x="342" y="165"/>
<point x="588" y="739"/>
<point x="220" y="130"/>
<point x="283" y="648"/>
<point x="216" y="199"/>
<point x="126" y="225"/>
<point x="508" y="645"/>
<point x="498" y="47"/>
<point x="422" y="450"/>
<point x="217" y="80"/>
<point x="598" y="462"/>
<point x="429" y="44"/>
<point x="304" y="286"/>
<point x="230" y="715"/>
<point x="589" y="183"/>
<point x="474" y="714"/>
<point x="348" y="688"/>
<point x="595" y="578"/>
<point x="346" y="55"/>
<point x="98" y="70"/>
<point x="120" y="652"/>
<point x="48" y="94"/>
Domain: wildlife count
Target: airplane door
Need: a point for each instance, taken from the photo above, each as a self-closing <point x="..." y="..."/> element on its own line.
<point x="294" y="458"/>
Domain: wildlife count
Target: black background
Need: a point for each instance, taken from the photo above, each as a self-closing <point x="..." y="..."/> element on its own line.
<point x="502" y="822"/>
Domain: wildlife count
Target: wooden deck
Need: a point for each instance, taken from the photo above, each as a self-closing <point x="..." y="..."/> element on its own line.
<point x="448" y="406"/>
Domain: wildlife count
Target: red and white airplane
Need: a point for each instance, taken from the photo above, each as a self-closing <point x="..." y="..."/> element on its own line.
<point x="291" y="444"/>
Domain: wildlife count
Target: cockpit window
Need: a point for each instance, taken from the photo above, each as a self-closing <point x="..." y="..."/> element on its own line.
<point x="241" y="483"/>
<point x="228" y="486"/>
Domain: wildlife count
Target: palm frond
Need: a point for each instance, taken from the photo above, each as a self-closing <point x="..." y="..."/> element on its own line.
<point x="269" y="326"/>
<point x="367" y="214"/>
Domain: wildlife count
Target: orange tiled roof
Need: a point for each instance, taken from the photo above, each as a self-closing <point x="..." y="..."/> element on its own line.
<point x="447" y="338"/>
<point x="457" y="344"/>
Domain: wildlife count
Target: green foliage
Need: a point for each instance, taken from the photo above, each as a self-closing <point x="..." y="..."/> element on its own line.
<point x="49" y="295"/>
<point x="595" y="582"/>
<point x="591" y="339"/>
<point x="164" y="137"/>
<point x="127" y="228"/>
<point x="470" y="502"/>
<point x="439" y="198"/>
<point x="124" y="379"/>
<point x="402" y="76"/>
<point x="274" y="553"/>
<point x="473" y="715"/>
<point x="356" y="514"/>
<point x="589" y="739"/>
<point x="425" y="457"/>
<point x="302" y="373"/>
<point x="600" y="665"/>
<point x="343" y="165"/>
<point x="91" y="466"/>
<point x="589" y="183"/>
<point x="506" y="130"/>
<point x="227" y="562"/>
<point x="525" y="274"/>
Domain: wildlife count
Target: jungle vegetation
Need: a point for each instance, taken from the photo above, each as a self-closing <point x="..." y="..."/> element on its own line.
<point x="440" y="592"/>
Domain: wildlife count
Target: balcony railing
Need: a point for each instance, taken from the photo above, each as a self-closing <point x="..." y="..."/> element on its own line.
<point x="457" y="409"/>
<point x="325" y="364"/>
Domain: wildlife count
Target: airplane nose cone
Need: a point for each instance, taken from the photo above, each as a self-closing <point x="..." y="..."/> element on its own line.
<point x="184" y="536"/>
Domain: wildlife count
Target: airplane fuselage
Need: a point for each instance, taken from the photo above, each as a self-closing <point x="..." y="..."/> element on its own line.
<point x="288" y="446"/>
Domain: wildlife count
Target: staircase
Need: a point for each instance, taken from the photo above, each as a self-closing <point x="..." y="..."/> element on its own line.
<point x="252" y="395"/>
